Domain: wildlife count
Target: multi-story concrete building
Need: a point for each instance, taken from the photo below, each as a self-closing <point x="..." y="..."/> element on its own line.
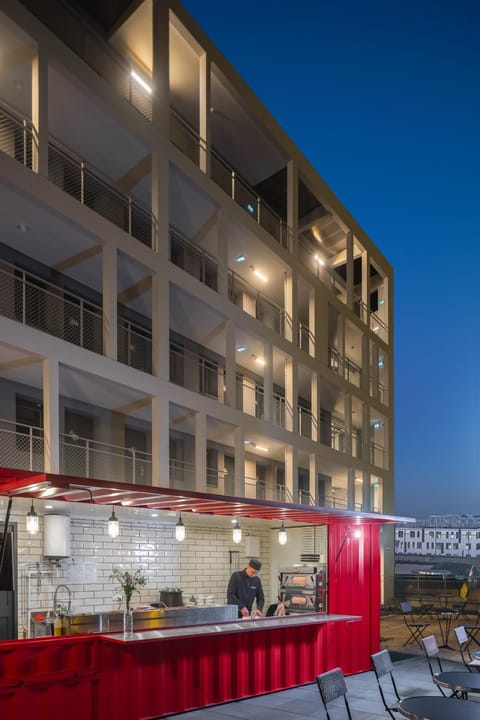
<point x="183" y="301"/>
<point x="448" y="535"/>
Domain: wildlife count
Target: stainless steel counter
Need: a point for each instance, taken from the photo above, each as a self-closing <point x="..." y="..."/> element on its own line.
<point x="262" y="623"/>
<point x="142" y="619"/>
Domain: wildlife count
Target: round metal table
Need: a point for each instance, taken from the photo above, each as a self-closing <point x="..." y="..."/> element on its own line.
<point x="458" y="681"/>
<point x="432" y="707"/>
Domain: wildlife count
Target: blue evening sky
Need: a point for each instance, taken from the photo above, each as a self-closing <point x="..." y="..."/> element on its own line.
<point x="383" y="98"/>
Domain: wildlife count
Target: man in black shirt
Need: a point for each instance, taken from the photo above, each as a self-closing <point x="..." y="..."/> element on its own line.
<point x="244" y="587"/>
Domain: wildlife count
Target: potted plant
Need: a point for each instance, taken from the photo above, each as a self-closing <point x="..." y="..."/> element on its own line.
<point x="129" y="582"/>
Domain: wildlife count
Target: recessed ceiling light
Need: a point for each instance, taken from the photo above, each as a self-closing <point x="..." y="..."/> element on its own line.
<point x="141" y="82"/>
<point x="319" y="260"/>
<point x="48" y="507"/>
<point x="262" y="448"/>
<point x="154" y="514"/>
<point x="241" y="348"/>
<point x="240" y="258"/>
<point x="259" y="274"/>
<point x="260" y="361"/>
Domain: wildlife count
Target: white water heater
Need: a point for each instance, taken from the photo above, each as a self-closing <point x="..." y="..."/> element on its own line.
<point x="56" y="536"/>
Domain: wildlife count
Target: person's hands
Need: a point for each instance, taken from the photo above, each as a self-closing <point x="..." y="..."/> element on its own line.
<point x="244" y="612"/>
<point x="259" y="613"/>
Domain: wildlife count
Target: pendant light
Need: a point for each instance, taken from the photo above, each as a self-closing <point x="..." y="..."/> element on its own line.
<point x="180" y="530"/>
<point x="282" y="535"/>
<point x="113" y="525"/>
<point x="237" y="532"/>
<point x="32" y="521"/>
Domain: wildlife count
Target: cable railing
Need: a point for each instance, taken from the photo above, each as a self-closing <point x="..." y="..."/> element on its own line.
<point x="17" y="137"/>
<point x="197" y="373"/>
<point x="35" y="302"/>
<point x="86" y="185"/>
<point x="195" y="261"/>
<point x="255" y="303"/>
<point x="89" y="458"/>
<point x="134" y="345"/>
<point x="21" y="446"/>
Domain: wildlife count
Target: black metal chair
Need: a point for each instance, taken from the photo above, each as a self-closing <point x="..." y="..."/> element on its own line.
<point x="383" y="667"/>
<point x="415" y="628"/>
<point x="332" y="686"/>
<point x="464" y="643"/>
<point x="432" y="654"/>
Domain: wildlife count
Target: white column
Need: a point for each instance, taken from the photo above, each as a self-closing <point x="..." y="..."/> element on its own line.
<point x="351" y="488"/>
<point x="204" y="112"/>
<point x="291" y="471"/>
<point x="366" y="285"/>
<point x="366" y="493"/>
<point x="230" y="363"/>
<point x="291" y="395"/>
<point x="290" y="304"/>
<point x="312" y="477"/>
<point x="109" y="300"/>
<point x="365" y="376"/>
<point x="366" y="433"/>
<point x="161" y="123"/>
<point x="200" y="451"/>
<point x="40" y="112"/>
<point x="350" y="270"/>
<point x="347" y="414"/>
<point x="222" y="253"/>
<point x="160" y="442"/>
<point x="292" y="205"/>
<point x="161" y="324"/>
<point x="51" y="411"/>
<point x="268" y="382"/>
<point x="239" y="479"/>
<point x="312" y="319"/>
<point x="315" y="405"/>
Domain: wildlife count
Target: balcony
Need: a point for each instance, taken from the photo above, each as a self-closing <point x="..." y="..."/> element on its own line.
<point x="32" y="301"/>
<point x="307" y="423"/>
<point x="282" y="411"/>
<point x="378" y="455"/>
<point x="195" y="261"/>
<point x="21" y="446"/>
<point x="134" y="345"/>
<point x="249" y="396"/>
<point x="344" y="367"/>
<point x="194" y="372"/>
<point x="16" y="136"/>
<point x="263" y="308"/>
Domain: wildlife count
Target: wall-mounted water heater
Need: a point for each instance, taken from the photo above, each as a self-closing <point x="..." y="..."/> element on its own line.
<point x="56" y="536"/>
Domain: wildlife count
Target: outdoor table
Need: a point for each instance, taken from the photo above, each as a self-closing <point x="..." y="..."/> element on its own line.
<point x="444" y="618"/>
<point x="459" y="681"/>
<point x="432" y="707"/>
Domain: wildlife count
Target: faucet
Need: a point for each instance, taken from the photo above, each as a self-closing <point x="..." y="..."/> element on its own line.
<point x="65" y="587"/>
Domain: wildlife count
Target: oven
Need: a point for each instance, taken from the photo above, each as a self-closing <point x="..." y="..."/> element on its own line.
<point x="303" y="588"/>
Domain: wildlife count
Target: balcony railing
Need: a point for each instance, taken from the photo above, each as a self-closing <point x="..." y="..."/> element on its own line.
<point x="306" y="339"/>
<point x="379" y="327"/>
<point x="32" y="301"/>
<point x="332" y="432"/>
<point x="305" y="497"/>
<point x="263" y="308"/>
<point x="282" y="411"/>
<point x="344" y="366"/>
<point x="16" y="136"/>
<point x="192" y="259"/>
<point x="86" y="185"/>
<point x="197" y="373"/>
<point x="21" y="446"/>
<point x="89" y="458"/>
<point x="307" y="423"/>
<point x="249" y="397"/>
<point x="189" y="141"/>
<point x="378" y="455"/>
<point x="134" y="345"/>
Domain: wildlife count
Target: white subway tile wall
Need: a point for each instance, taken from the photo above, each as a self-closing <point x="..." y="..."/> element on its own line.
<point x="200" y="565"/>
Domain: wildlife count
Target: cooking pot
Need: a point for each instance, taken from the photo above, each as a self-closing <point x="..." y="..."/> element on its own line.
<point x="171" y="597"/>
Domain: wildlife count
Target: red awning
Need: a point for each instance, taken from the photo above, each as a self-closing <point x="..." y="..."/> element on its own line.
<point x="22" y="483"/>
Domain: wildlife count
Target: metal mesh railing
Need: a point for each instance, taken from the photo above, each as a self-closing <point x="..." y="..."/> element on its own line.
<point x="134" y="346"/>
<point x="197" y="373"/>
<point x="264" y="309"/>
<point x="195" y="261"/>
<point x="32" y="301"/>
<point x="16" y="137"/>
<point x="85" y="185"/>
<point x="88" y="458"/>
<point x="21" y="446"/>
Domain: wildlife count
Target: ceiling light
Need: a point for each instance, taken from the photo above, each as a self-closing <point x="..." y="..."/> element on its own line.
<point x="180" y="530"/>
<point x="250" y="208"/>
<point x="260" y="361"/>
<point x="141" y="82"/>
<point x="241" y="348"/>
<point x="113" y="525"/>
<point x="381" y="302"/>
<point x="376" y="328"/>
<point x="319" y="260"/>
<point x="154" y="514"/>
<point x="259" y="275"/>
<point x="48" y="507"/>
<point x="376" y="425"/>
<point x="282" y="535"/>
<point x="237" y="532"/>
<point x="263" y="449"/>
<point x="32" y="522"/>
<point x="380" y="363"/>
<point x="240" y="258"/>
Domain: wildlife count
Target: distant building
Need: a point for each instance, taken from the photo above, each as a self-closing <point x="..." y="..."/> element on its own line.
<point x="444" y="535"/>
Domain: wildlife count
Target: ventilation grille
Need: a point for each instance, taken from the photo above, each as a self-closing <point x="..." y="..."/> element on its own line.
<point x="314" y="545"/>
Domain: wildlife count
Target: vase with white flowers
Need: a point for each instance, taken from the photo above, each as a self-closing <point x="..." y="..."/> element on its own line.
<point x="129" y="582"/>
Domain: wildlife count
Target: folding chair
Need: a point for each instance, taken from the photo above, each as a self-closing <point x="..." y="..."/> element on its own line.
<point x="415" y="628"/>
<point x="332" y="686"/>
<point x="432" y="654"/>
<point x="464" y="642"/>
<point x="383" y="667"/>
